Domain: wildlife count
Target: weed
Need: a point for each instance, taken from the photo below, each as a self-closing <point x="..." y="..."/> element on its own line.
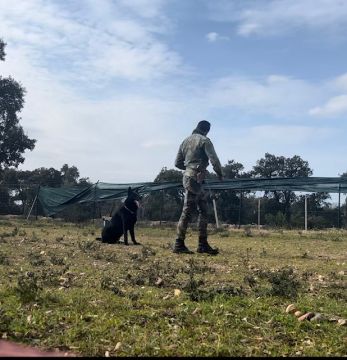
<point x="284" y="282"/>
<point x="59" y="239"/>
<point x="224" y="234"/>
<point x="27" y="287"/>
<point x="147" y="251"/>
<point x="246" y="259"/>
<point x="34" y="237"/>
<point x="4" y="260"/>
<point x="263" y="253"/>
<point x="56" y="259"/>
<point x="337" y="238"/>
<point x="5" y="321"/>
<point x="248" y="231"/>
<point x="305" y="255"/>
<point x="108" y="284"/>
<point x="36" y="259"/>
<point x="89" y="245"/>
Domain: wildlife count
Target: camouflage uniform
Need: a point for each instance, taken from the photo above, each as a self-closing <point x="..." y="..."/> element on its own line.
<point x="193" y="157"/>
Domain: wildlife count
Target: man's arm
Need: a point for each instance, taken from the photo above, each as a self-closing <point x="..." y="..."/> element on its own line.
<point x="211" y="153"/>
<point x="179" y="162"/>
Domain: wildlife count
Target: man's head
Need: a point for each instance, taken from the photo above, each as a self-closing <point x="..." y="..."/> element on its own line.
<point x="203" y="127"/>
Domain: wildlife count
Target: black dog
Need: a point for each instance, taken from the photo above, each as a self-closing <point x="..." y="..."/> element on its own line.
<point x="122" y="221"/>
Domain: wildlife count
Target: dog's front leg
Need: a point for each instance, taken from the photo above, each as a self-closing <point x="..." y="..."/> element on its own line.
<point x="125" y="232"/>
<point x="132" y="234"/>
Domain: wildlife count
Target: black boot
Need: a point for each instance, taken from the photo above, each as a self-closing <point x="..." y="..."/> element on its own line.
<point x="180" y="248"/>
<point x="204" y="247"/>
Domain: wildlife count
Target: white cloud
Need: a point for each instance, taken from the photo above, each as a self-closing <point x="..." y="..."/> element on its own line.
<point x="97" y="40"/>
<point x="273" y="17"/>
<point x="340" y="82"/>
<point x="334" y="107"/>
<point x="213" y="37"/>
<point x="275" y="95"/>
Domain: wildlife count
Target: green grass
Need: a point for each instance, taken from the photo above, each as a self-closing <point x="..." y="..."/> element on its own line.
<point x="60" y="288"/>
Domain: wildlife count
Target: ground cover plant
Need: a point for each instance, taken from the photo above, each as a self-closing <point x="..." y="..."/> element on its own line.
<point x="62" y="289"/>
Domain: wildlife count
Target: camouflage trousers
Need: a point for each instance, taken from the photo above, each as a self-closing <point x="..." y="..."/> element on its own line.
<point x="195" y="199"/>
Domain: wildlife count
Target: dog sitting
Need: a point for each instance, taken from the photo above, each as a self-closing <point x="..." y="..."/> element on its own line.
<point x="122" y="221"/>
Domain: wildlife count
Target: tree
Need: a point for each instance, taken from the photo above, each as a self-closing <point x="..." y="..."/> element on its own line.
<point x="165" y="204"/>
<point x="229" y="202"/>
<point x="279" y="166"/>
<point x="2" y="50"/>
<point x="13" y="141"/>
<point x="69" y="175"/>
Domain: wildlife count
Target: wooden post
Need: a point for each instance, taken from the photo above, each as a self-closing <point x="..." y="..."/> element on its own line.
<point x="258" y="213"/>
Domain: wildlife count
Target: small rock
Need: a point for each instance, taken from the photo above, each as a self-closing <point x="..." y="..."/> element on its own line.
<point x="107" y="354"/>
<point x="342" y="322"/>
<point x="197" y="310"/>
<point x="118" y="345"/>
<point x="159" y="281"/>
<point x="177" y="292"/>
<point x="308" y="316"/>
<point x="291" y="309"/>
<point x="317" y="317"/>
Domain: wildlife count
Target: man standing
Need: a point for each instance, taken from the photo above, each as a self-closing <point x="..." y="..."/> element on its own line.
<point x="193" y="157"/>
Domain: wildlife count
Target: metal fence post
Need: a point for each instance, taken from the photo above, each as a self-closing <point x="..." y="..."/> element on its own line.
<point x="305" y="212"/>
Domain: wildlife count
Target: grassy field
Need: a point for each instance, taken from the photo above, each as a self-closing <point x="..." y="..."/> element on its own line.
<point x="62" y="289"/>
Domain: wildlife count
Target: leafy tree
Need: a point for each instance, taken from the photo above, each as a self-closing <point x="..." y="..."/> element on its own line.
<point x="230" y="205"/>
<point x="2" y="50"/>
<point x="69" y="175"/>
<point x="13" y="141"/>
<point x="165" y="204"/>
<point x="279" y="166"/>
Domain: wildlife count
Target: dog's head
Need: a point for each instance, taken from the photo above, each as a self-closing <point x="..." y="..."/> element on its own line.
<point x="133" y="198"/>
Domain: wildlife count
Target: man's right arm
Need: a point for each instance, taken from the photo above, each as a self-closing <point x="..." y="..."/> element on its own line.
<point x="179" y="162"/>
<point x="211" y="153"/>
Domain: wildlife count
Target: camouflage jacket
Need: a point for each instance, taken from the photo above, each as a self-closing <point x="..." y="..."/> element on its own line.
<point x="194" y="155"/>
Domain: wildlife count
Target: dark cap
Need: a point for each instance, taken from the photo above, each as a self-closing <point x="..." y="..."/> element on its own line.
<point x="204" y="126"/>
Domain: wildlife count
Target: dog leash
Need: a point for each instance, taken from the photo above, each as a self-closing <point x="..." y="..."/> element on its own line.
<point x="131" y="212"/>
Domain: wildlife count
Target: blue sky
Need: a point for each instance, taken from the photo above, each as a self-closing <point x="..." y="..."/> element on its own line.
<point x="113" y="86"/>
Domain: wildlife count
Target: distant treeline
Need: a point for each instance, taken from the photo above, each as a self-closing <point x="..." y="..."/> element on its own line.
<point x="18" y="190"/>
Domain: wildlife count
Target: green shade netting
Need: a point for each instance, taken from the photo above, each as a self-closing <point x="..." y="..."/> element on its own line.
<point x="54" y="200"/>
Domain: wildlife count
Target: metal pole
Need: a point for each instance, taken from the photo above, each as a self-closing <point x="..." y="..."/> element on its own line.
<point x="339" y="210"/>
<point x="32" y="207"/>
<point x="305" y="212"/>
<point x="35" y="202"/>
<point x="240" y="207"/>
<point x="259" y="213"/>
<point x="161" y="206"/>
<point x="215" y="212"/>
<point x="94" y="205"/>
